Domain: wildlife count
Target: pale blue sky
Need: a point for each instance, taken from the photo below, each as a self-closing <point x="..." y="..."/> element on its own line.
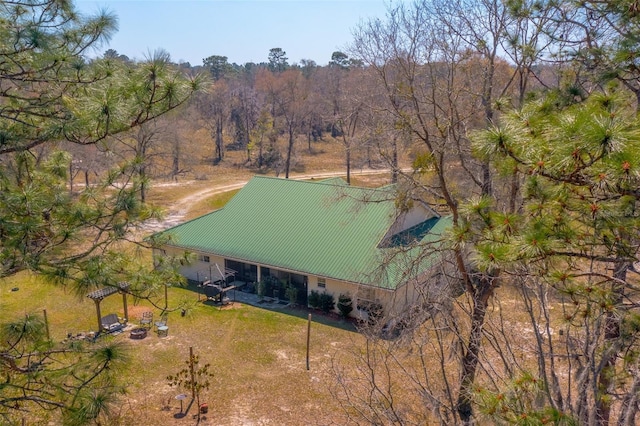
<point x="242" y="30"/>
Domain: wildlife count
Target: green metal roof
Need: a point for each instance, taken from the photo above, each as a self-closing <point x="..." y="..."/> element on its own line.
<point x="321" y="228"/>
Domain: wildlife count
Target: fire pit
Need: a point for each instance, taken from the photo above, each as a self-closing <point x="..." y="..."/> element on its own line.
<point x="138" y="333"/>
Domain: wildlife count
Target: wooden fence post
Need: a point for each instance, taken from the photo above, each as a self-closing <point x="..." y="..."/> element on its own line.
<point x="308" y="338"/>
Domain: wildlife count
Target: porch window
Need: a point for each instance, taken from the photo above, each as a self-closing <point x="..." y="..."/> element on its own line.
<point x="244" y="271"/>
<point x="322" y="283"/>
<point x="204" y="258"/>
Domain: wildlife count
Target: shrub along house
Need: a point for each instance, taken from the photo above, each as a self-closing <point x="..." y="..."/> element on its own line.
<point x="322" y="236"/>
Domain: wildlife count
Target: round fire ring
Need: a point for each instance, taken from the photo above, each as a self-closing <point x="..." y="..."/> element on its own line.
<point x="138" y="333"/>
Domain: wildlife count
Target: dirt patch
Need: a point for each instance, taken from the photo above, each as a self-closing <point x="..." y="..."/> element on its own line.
<point x="135" y="313"/>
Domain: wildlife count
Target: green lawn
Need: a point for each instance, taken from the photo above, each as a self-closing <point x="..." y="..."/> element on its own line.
<point x="258" y="356"/>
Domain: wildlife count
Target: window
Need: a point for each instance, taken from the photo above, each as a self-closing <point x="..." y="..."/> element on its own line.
<point x="244" y="271"/>
<point x="204" y="258"/>
<point x="322" y="283"/>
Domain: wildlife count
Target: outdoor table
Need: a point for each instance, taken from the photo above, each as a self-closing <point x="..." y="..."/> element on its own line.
<point x="181" y="398"/>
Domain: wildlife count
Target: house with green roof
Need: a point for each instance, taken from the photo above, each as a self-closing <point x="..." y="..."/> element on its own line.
<point x="322" y="236"/>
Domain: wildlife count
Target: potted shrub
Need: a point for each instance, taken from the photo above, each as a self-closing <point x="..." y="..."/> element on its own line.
<point x="314" y="299"/>
<point x="345" y="305"/>
<point x="292" y="295"/>
<point x="326" y="302"/>
<point x="263" y="288"/>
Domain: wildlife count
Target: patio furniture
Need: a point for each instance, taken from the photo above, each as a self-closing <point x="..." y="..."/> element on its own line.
<point x="163" y="331"/>
<point x="111" y="323"/>
<point x="162" y="321"/>
<point x="138" y="333"/>
<point x="212" y="291"/>
<point x="146" y="319"/>
<point x="181" y="397"/>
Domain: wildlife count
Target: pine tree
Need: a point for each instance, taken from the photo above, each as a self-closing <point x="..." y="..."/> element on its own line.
<point x="51" y="93"/>
<point x="577" y="237"/>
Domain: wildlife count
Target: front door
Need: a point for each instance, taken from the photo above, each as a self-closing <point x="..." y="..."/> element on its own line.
<point x="299" y="282"/>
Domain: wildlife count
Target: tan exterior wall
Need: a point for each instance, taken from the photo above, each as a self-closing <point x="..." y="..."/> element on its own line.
<point x="393" y="302"/>
<point x="197" y="270"/>
<point x="333" y="287"/>
<point x="360" y="294"/>
<point x="415" y="216"/>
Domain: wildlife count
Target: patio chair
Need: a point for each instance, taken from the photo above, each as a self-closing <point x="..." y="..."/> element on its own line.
<point x="111" y="323"/>
<point x="146" y="319"/>
<point x="162" y="322"/>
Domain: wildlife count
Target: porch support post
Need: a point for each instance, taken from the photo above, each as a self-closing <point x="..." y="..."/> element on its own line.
<point x="126" y="308"/>
<point x="99" y="314"/>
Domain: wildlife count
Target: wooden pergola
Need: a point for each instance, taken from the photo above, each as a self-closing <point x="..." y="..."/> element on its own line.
<point x="98" y="295"/>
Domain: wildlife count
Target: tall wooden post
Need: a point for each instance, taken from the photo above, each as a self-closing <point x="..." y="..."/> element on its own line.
<point x="46" y="323"/>
<point x="99" y="314"/>
<point x="193" y="382"/>
<point x="126" y="308"/>
<point x="308" y="338"/>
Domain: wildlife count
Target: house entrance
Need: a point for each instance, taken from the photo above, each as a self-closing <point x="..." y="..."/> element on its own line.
<point x="244" y="271"/>
<point x="284" y="285"/>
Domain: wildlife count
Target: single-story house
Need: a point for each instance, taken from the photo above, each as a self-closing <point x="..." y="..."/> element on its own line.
<point x="323" y="236"/>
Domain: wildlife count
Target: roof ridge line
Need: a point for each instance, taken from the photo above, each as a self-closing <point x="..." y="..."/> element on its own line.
<point x="311" y="180"/>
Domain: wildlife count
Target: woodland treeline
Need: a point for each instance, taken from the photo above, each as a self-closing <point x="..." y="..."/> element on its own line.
<point x="517" y="118"/>
<point x="271" y="111"/>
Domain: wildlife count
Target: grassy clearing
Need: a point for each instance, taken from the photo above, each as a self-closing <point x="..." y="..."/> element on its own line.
<point x="210" y="204"/>
<point x="257" y="355"/>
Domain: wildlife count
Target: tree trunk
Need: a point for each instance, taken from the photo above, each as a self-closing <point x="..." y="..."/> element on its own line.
<point x="394" y="162"/>
<point x="289" y="151"/>
<point x="470" y="361"/>
<point x="513" y="196"/>
<point x="176" y="164"/>
<point x="71" y="177"/>
<point x="486" y="180"/>
<point x="219" y="142"/>
<point x="606" y="377"/>
<point x="175" y="169"/>
<point x="348" y="165"/>
<point x="143" y="193"/>
<point x="630" y="405"/>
